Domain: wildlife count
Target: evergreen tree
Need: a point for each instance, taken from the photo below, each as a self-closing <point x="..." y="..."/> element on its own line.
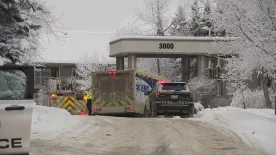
<point x="195" y="24"/>
<point x="206" y="25"/>
<point x="20" y="25"/>
<point x="180" y="26"/>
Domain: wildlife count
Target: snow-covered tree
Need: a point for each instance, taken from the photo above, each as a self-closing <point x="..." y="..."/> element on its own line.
<point x="91" y="63"/>
<point x="13" y="82"/>
<point x="200" y="24"/>
<point x="195" y="23"/>
<point x="156" y="17"/>
<point x="157" y="20"/>
<point x="254" y="22"/>
<point x="129" y="30"/>
<point x="180" y="27"/>
<point x="21" y="24"/>
<point x="206" y="25"/>
<point x="250" y="99"/>
<point x="204" y="89"/>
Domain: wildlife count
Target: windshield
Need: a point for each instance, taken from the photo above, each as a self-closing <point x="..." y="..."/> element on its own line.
<point x="173" y="86"/>
<point x="12" y="85"/>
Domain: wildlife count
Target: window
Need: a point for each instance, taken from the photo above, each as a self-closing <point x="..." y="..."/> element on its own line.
<point x="173" y="86"/>
<point x="12" y="85"/>
<point x="212" y="73"/>
<point x="55" y="72"/>
<point x="74" y="73"/>
<point x="38" y="76"/>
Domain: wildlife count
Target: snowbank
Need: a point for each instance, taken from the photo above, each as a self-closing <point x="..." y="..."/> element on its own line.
<point x="198" y="106"/>
<point x="255" y="126"/>
<point x="49" y="122"/>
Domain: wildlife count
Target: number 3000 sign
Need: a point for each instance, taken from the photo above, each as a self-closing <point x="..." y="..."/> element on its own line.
<point x="166" y="46"/>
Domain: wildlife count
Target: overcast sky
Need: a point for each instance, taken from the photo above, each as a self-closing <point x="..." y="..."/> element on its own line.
<point x="90" y="23"/>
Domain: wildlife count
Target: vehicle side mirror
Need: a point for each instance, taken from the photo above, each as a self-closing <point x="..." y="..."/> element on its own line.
<point x="147" y="93"/>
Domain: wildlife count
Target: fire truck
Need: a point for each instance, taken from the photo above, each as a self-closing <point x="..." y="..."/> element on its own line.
<point x="121" y="92"/>
<point x="63" y="95"/>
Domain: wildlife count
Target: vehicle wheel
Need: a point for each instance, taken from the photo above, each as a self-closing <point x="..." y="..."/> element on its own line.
<point x="146" y="112"/>
<point x="195" y="111"/>
<point x="183" y="116"/>
<point x="191" y="111"/>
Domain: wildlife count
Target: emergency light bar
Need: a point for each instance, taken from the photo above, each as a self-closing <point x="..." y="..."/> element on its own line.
<point x="162" y="81"/>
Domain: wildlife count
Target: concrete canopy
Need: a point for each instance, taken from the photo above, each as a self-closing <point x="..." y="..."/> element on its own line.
<point x="170" y="46"/>
<point x="165" y="46"/>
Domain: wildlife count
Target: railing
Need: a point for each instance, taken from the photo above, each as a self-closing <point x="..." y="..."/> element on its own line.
<point x="42" y="98"/>
<point x="39" y="80"/>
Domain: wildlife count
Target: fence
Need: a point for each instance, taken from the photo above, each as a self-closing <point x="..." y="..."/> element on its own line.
<point x="42" y="98"/>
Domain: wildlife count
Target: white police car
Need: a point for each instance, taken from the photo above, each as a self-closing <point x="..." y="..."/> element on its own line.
<point x="16" y="106"/>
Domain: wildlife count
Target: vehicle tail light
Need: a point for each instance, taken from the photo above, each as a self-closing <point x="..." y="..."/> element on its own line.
<point x="157" y="95"/>
<point x="53" y="95"/>
<point x="84" y="97"/>
<point x="95" y="109"/>
<point x="130" y="108"/>
<point x="112" y="73"/>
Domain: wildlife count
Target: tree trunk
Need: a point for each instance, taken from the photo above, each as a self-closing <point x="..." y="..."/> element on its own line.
<point x="244" y="107"/>
<point x="266" y="93"/>
<point x="158" y="67"/>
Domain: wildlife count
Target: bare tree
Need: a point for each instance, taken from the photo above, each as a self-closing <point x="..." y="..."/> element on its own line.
<point x="129" y="30"/>
<point x="156" y="17"/>
<point x="91" y="63"/>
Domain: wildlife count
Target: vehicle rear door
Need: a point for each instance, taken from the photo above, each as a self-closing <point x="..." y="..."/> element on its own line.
<point x="174" y="92"/>
<point x="115" y="89"/>
<point x="16" y="106"/>
<point x="119" y="88"/>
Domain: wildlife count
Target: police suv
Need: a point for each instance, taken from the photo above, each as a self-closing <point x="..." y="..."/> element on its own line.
<point x="16" y="106"/>
<point x="171" y="98"/>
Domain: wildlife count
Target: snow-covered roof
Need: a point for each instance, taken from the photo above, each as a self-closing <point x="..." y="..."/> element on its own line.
<point x="149" y="46"/>
<point x="177" y="38"/>
<point x="74" y="45"/>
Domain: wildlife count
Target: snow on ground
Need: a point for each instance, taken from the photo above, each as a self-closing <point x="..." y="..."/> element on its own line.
<point x="255" y="126"/>
<point x="49" y="122"/>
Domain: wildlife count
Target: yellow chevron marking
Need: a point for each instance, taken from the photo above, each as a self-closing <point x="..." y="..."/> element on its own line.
<point x="109" y="104"/>
<point x="115" y="103"/>
<point x="129" y="100"/>
<point x="123" y="102"/>
<point x="102" y="103"/>
<point x="97" y="100"/>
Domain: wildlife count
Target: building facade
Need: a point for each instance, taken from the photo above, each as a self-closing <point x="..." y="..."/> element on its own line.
<point x="52" y="71"/>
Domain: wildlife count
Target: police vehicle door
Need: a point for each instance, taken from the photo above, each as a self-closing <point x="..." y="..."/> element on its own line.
<point x="16" y="105"/>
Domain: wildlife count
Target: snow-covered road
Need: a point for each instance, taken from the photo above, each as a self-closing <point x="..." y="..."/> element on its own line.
<point x="150" y="136"/>
<point x="255" y="126"/>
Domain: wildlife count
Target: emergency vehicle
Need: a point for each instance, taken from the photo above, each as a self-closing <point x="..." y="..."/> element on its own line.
<point x="64" y="95"/>
<point x="16" y="110"/>
<point x="121" y="92"/>
<point x="171" y="98"/>
<point x="61" y="86"/>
